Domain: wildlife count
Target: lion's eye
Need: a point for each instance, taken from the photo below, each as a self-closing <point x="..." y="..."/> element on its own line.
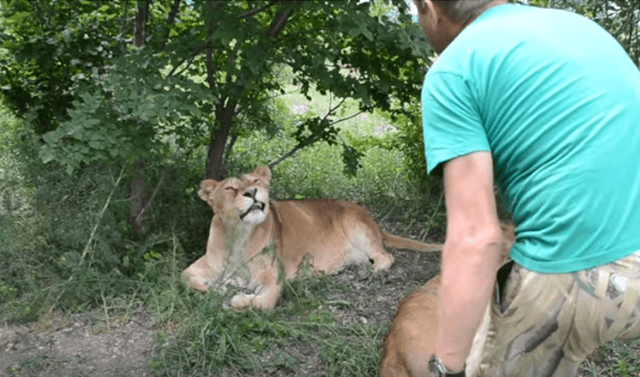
<point x="229" y="188"/>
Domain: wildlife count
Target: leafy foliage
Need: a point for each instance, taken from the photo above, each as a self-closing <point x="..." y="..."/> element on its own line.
<point x="145" y="110"/>
<point x="122" y="102"/>
<point x="47" y="48"/>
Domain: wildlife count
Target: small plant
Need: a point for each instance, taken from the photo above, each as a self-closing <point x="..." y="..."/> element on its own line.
<point x="615" y="359"/>
<point x="34" y="365"/>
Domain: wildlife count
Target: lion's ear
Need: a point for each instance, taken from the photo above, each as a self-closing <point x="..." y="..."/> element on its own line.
<point x="206" y="188"/>
<point x="263" y="171"/>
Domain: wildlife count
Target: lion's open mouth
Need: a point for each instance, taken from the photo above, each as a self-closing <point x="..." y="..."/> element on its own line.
<point x="259" y="206"/>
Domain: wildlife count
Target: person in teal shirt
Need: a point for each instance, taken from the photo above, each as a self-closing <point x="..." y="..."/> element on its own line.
<point x="548" y="103"/>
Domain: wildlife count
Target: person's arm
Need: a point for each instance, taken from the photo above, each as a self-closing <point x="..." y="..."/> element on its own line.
<point x="470" y="255"/>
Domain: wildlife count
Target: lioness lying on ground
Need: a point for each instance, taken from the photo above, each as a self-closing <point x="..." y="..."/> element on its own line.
<point x="255" y="244"/>
<point x="411" y="339"/>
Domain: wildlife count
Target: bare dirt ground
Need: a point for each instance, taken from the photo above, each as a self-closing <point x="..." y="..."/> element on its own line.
<point x="87" y="345"/>
<point x="77" y="345"/>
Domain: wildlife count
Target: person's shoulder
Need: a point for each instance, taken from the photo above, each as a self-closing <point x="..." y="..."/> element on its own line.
<point x="513" y="14"/>
<point x="515" y="11"/>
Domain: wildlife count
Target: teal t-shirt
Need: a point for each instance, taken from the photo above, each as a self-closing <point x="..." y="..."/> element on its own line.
<point x="556" y="100"/>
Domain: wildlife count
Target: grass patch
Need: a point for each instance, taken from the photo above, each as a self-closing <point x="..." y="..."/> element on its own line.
<point x="301" y="336"/>
<point x="34" y="366"/>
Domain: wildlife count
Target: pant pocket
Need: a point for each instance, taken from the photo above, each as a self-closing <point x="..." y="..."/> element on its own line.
<point x="502" y="277"/>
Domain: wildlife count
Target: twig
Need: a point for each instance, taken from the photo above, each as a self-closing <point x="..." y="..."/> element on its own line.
<point x="147" y="205"/>
<point x="311" y="139"/>
<point x="347" y="118"/>
<point x="169" y="22"/>
<point x="95" y="228"/>
<point x="192" y="55"/>
<point x="104" y="208"/>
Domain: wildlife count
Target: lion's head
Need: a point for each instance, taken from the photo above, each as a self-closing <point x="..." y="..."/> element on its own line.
<point x="243" y="200"/>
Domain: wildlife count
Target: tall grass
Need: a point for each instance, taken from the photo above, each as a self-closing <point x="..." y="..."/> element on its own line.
<point x="64" y="239"/>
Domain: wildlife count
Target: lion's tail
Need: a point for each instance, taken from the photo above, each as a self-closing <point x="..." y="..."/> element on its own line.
<point x="397" y="242"/>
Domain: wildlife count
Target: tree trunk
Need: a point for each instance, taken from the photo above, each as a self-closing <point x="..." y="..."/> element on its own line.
<point x="225" y="116"/>
<point x="137" y="185"/>
<point x="138" y="199"/>
<point x="142" y="14"/>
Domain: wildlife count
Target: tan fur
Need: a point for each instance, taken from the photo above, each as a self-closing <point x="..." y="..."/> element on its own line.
<point x="259" y="250"/>
<point x="411" y="339"/>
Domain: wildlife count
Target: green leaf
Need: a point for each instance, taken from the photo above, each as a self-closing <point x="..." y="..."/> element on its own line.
<point x="46" y="154"/>
<point x="96" y="144"/>
<point x="52" y="137"/>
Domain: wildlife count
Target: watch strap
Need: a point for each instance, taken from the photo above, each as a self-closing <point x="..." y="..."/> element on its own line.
<point x="438" y="369"/>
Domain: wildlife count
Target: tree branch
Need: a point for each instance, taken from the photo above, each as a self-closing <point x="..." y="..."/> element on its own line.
<point x="631" y="27"/>
<point x="273" y="31"/>
<point x="147" y="205"/>
<point x="278" y="23"/>
<point x="45" y="22"/>
<point x="170" y="20"/>
<point x="275" y="28"/>
<point x="184" y="69"/>
<point x="347" y="118"/>
<point x="149" y="202"/>
<point x="174" y="12"/>
<point x="232" y="58"/>
<point x="230" y="144"/>
<point x="334" y="108"/>
<point x="209" y="64"/>
<point x="636" y="37"/>
<point x="192" y="55"/>
<point x="257" y="10"/>
<point x="124" y="17"/>
<point x="310" y="140"/>
<point x="141" y="18"/>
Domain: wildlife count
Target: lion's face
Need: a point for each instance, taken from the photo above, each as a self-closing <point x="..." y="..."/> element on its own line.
<point x="243" y="200"/>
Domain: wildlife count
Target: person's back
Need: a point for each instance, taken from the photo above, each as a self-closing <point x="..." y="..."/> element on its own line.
<point x="557" y="102"/>
<point x="552" y="101"/>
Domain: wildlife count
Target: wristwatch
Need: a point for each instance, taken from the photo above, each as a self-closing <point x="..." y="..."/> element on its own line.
<point x="437" y="369"/>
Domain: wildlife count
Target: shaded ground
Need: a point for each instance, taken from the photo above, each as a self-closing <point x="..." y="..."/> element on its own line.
<point x="87" y="345"/>
<point x="77" y="346"/>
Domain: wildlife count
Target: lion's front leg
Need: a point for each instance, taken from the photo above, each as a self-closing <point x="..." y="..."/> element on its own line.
<point x="199" y="275"/>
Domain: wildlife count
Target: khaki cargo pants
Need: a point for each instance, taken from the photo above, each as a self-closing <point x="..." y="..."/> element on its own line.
<point x="545" y="325"/>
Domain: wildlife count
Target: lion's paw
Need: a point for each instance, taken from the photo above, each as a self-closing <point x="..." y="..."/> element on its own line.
<point x="241" y="301"/>
<point x="383" y="262"/>
<point x="197" y="283"/>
